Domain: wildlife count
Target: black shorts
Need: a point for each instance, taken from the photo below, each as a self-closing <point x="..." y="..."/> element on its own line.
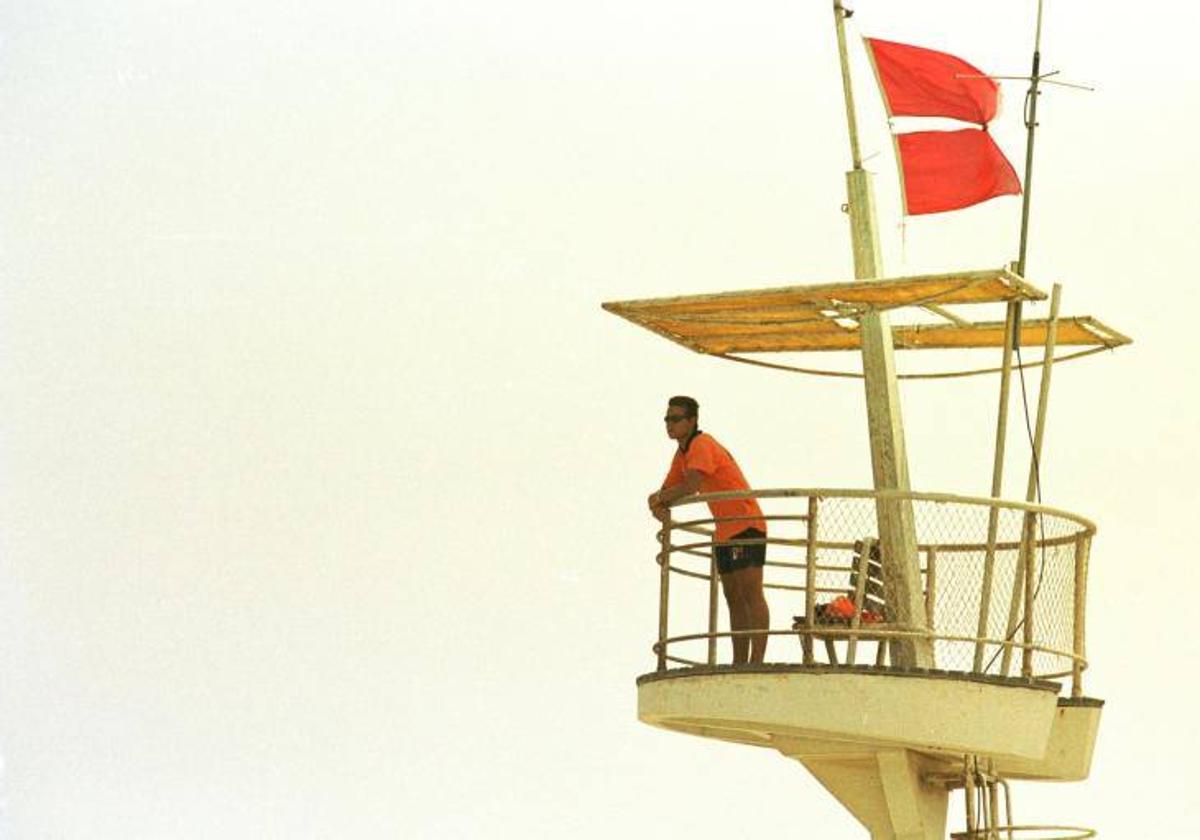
<point x="731" y="558"/>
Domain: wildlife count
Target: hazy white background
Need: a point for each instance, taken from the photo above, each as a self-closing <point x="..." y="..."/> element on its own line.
<point x="323" y="472"/>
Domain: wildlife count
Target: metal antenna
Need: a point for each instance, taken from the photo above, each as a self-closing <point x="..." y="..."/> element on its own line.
<point x="1012" y="343"/>
<point x="1031" y="100"/>
<point x="1013" y="317"/>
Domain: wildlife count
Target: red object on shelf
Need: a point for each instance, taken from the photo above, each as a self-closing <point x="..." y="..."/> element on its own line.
<point x="840" y="607"/>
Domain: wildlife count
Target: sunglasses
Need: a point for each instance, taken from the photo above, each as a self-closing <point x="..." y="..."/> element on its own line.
<point x="674" y="418"/>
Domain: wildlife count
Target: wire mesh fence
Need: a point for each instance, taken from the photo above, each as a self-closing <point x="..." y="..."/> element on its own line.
<point x="1001" y="584"/>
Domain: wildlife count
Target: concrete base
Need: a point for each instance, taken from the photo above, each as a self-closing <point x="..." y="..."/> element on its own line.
<point x="938" y="713"/>
<point x="873" y="736"/>
<point x="1068" y="753"/>
<point x="885" y="792"/>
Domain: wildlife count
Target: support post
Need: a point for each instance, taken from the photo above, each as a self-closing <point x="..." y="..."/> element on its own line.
<point x="664" y="590"/>
<point x="889" y="460"/>
<point x="839" y="17"/>
<point x="1031" y="100"/>
<point x="1014" y="308"/>
<point x="1025" y="561"/>
<point x="1008" y="816"/>
<point x="989" y="558"/>
<point x="969" y="795"/>
<point x="810" y="582"/>
<point x="930" y="584"/>
<point x="860" y="588"/>
<point x="1029" y="541"/>
<point x="993" y="802"/>
<point x="712" y="610"/>
<point x="1014" y="605"/>
<point x="887" y="791"/>
<point x="1083" y="547"/>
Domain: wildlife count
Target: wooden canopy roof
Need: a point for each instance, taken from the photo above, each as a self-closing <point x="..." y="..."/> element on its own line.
<point x="825" y="317"/>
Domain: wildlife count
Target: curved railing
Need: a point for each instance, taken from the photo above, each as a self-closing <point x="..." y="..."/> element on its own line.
<point x="1003" y="584"/>
<point x="1027" y="832"/>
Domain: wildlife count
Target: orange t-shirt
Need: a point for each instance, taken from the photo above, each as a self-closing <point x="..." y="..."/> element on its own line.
<point x="718" y="472"/>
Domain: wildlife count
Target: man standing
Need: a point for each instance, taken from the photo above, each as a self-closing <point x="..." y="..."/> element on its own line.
<point x="701" y="465"/>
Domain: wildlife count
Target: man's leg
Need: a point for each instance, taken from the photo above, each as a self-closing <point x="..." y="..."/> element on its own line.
<point x="738" y="617"/>
<point x="747" y="584"/>
<point x="756" y="611"/>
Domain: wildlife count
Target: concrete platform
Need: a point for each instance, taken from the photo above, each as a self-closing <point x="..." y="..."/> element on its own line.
<point x="937" y="712"/>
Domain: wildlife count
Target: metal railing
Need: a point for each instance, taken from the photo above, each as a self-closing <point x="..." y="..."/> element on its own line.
<point x="1026" y="832"/>
<point x="1004" y="583"/>
<point x="981" y="787"/>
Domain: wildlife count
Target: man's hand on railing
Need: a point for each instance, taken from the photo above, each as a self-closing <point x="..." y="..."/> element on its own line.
<point x="657" y="509"/>
<point x="659" y="499"/>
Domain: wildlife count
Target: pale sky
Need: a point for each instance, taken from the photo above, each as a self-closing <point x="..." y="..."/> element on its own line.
<point x="324" y="473"/>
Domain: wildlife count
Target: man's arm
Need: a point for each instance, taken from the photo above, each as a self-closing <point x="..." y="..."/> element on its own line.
<point x="660" y="499"/>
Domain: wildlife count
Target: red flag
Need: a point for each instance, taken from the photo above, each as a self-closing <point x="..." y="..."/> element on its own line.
<point x="917" y="82"/>
<point x="942" y="170"/>
<point x="949" y="170"/>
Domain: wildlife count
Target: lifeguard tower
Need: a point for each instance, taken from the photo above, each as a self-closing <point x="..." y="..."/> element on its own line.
<point x="960" y="662"/>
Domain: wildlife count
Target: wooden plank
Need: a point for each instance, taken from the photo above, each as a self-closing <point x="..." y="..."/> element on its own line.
<point x="1080" y="330"/>
<point x="655" y="328"/>
<point x="789" y="314"/>
<point x="829" y="335"/>
<point x="755" y="331"/>
<point x="985" y="286"/>
<point x="943" y="312"/>
<point x="815" y="342"/>
<point x="860" y="575"/>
